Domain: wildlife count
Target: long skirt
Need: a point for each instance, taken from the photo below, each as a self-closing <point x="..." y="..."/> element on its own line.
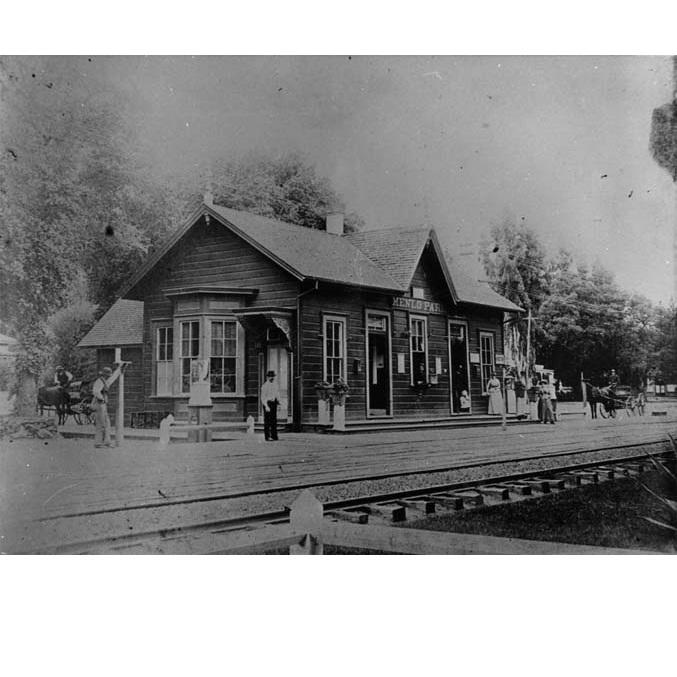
<point x="495" y="402"/>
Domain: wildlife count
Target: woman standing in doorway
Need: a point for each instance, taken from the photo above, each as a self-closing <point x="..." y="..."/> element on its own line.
<point x="495" y="397"/>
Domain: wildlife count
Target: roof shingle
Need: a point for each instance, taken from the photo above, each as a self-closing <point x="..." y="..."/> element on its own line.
<point x="122" y="325"/>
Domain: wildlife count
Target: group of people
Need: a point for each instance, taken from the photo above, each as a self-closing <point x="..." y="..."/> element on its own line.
<point x="542" y="392"/>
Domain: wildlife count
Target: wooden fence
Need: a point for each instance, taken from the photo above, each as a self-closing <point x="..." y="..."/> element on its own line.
<point x="309" y="531"/>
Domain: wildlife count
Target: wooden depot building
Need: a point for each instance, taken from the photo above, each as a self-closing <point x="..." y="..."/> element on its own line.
<point x="384" y="310"/>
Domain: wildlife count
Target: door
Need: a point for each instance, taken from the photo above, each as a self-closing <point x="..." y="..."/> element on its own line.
<point x="458" y="360"/>
<point x="378" y="365"/>
<point x="278" y="361"/>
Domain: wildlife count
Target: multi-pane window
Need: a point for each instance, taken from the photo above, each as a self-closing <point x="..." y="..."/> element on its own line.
<point x="190" y="350"/>
<point x="223" y="356"/>
<point x="164" y="360"/>
<point x="486" y="357"/>
<point x="419" y="349"/>
<point x="334" y="348"/>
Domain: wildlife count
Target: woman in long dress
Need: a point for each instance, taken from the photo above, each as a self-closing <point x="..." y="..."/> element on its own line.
<point x="495" y="397"/>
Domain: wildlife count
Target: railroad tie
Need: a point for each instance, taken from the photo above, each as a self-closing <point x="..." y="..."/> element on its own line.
<point x="606" y="472"/>
<point x="469" y="497"/>
<point x="587" y="475"/>
<point x="540" y="485"/>
<point x="448" y="501"/>
<point x="425" y="506"/>
<point x="520" y="487"/>
<point x="349" y="516"/>
<point x="555" y="482"/>
<point x="495" y="491"/>
<point x="571" y="478"/>
<point x="391" y="511"/>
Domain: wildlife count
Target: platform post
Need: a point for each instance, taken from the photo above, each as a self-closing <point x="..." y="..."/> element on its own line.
<point x="120" y="415"/>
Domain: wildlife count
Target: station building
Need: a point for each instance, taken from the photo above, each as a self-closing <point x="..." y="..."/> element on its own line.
<point x="385" y="310"/>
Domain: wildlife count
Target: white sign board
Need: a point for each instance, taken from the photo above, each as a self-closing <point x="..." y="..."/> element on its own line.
<point x="400" y="363"/>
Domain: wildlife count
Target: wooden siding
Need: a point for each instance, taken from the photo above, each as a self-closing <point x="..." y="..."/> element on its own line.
<point x="211" y="255"/>
<point x="352" y="304"/>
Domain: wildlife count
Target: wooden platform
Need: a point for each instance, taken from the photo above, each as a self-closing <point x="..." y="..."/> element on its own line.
<point x="139" y="486"/>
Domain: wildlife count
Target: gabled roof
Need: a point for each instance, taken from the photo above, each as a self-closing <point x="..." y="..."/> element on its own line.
<point x="399" y="250"/>
<point x="122" y="325"/>
<point x="384" y="259"/>
<point x="471" y="290"/>
<point x="306" y="253"/>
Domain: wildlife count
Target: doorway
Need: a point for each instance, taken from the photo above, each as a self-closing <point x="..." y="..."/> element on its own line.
<point x="378" y="364"/>
<point x="277" y="359"/>
<point x="459" y="368"/>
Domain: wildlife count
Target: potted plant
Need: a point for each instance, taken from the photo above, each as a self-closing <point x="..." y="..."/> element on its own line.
<point x="339" y="392"/>
<point x="338" y="395"/>
<point x="322" y="389"/>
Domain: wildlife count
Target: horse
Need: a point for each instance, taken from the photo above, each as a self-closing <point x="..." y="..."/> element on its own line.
<point x="601" y="396"/>
<point x="57" y="397"/>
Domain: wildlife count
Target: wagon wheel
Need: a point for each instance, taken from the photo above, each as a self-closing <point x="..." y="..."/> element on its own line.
<point x="603" y="411"/>
<point x="77" y="417"/>
<point x="613" y="411"/>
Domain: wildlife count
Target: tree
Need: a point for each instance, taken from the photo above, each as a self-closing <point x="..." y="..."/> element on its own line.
<point x="285" y="188"/>
<point x="514" y="261"/>
<point x="76" y="215"/>
<point x="65" y="329"/>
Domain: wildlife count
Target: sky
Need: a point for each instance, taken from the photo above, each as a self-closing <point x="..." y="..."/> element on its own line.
<point x="462" y="143"/>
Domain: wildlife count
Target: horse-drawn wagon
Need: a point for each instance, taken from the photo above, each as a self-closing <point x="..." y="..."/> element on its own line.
<point x="612" y="399"/>
<point x="74" y="400"/>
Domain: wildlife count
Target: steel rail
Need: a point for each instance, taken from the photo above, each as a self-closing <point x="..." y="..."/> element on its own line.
<point x="279" y="516"/>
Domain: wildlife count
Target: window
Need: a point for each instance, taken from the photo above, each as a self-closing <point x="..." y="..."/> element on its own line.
<point x="417" y="293"/>
<point x="164" y="360"/>
<point x="334" y="348"/>
<point x="190" y="350"/>
<point x="486" y="357"/>
<point x="418" y="330"/>
<point x="223" y="356"/>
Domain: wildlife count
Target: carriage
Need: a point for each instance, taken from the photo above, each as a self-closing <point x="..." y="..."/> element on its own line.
<point x="620" y="398"/>
<point x="74" y="401"/>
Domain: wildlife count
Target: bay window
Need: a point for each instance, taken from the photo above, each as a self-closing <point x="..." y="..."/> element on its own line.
<point x="223" y="356"/>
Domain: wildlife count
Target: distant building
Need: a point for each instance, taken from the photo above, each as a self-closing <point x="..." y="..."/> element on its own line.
<point x="384" y="310"/>
<point x="8" y="346"/>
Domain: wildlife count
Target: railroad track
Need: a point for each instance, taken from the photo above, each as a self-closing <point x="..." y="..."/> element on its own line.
<point x="384" y="508"/>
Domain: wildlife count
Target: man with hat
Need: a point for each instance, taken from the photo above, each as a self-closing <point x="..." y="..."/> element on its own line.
<point x="270" y="398"/>
<point x="62" y="378"/>
<point x="100" y="390"/>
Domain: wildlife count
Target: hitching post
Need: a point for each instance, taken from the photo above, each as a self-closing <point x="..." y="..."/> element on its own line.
<point x="120" y="416"/>
<point x="306" y="516"/>
<point x="505" y="403"/>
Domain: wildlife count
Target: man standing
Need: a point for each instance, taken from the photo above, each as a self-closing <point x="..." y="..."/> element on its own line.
<point x="62" y="378"/>
<point x="270" y="398"/>
<point x="100" y="390"/>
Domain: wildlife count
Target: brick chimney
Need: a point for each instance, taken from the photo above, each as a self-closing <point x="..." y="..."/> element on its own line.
<point x="335" y="223"/>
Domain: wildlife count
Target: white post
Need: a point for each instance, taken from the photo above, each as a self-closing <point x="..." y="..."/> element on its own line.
<point x="528" y="370"/>
<point x="584" y="391"/>
<point x="505" y="403"/>
<point x="306" y="516"/>
<point x="120" y="416"/>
